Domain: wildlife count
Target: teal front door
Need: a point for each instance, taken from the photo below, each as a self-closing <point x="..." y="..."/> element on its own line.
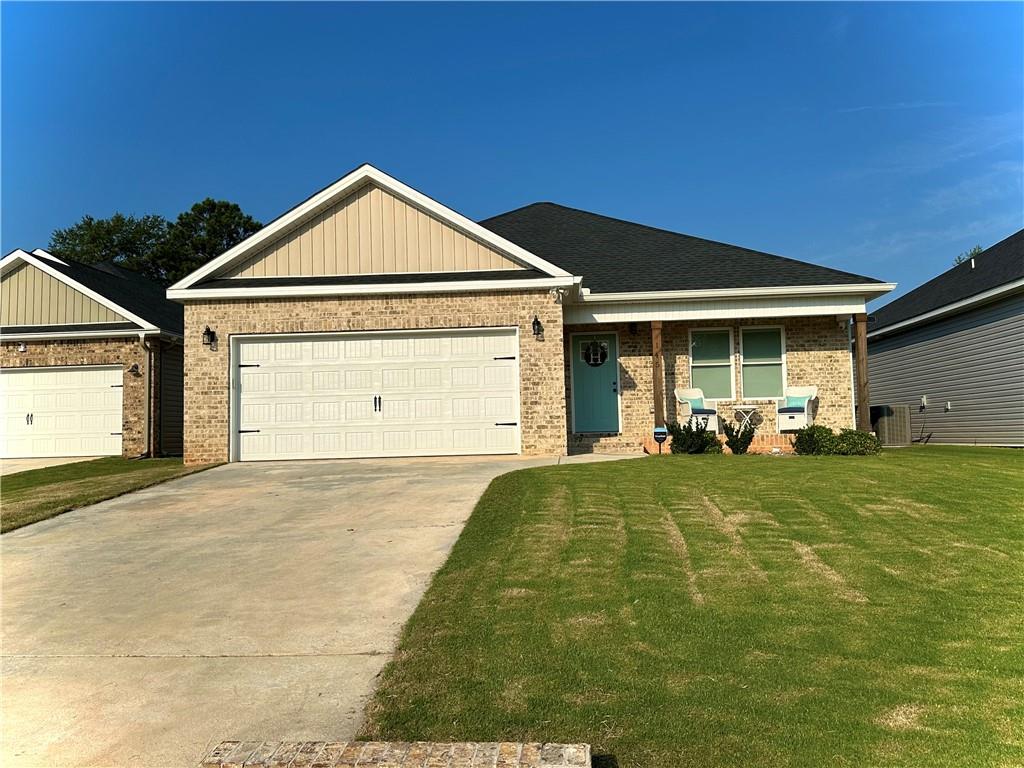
<point x="595" y="382"/>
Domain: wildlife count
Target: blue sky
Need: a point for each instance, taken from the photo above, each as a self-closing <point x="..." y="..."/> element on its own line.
<point x="880" y="139"/>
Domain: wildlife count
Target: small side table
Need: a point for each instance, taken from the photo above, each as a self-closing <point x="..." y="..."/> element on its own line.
<point x="748" y="414"/>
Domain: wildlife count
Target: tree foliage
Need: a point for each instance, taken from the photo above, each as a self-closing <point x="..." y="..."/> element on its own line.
<point x="200" y="234"/>
<point x="162" y="250"/>
<point x="967" y="255"/>
<point x="126" y="240"/>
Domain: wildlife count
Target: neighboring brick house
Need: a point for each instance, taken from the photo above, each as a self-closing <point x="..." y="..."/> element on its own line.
<point x="371" y="320"/>
<point x="90" y="360"/>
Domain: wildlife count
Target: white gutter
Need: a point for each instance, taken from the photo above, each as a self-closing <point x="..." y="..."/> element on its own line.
<point x="82" y="335"/>
<point x="184" y="294"/>
<point x="949" y="309"/>
<point x="858" y="289"/>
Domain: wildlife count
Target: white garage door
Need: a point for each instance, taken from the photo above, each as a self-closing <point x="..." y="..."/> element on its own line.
<point x="60" y="411"/>
<point x="385" y="394"/>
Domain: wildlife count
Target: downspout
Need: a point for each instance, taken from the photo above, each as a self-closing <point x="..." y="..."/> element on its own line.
<point x="148" y="454"/>
<point x="853" y="379"/>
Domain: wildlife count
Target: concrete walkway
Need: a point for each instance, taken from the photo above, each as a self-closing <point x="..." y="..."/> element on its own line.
<point x="248" y="602"/>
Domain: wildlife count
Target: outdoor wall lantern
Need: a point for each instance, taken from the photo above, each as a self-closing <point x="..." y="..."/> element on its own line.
<point x="209" y="338"/>
<point x="22" y="347"/>
<point x="538" y="328"/>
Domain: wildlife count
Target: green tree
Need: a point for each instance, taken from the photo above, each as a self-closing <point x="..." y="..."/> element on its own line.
<point x="126" y="240"/>
<point x="200" y="234"/>
<point x="967" y="255"/>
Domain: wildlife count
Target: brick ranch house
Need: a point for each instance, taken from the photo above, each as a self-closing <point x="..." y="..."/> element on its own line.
<point x="90" y="360"/>
<point x="371" y="320"/>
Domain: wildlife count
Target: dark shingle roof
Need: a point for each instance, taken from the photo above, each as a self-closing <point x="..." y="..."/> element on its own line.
<point x="136" y="293"/>
<point x="615" y="256"/>
<point x="995" y="266"/>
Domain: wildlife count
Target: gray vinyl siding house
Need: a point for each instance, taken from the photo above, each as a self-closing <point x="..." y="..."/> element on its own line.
<point x="953" y="350"/>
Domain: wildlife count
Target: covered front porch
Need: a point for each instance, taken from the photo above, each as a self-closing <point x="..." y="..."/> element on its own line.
<point x="621" y="376"/>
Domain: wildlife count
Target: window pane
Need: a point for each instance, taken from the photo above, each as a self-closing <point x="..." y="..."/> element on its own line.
<point x="762" y="380"/>
<point x="714" y="380"/>
<point x="762" y="346"/>
<point x="710" y="347"/>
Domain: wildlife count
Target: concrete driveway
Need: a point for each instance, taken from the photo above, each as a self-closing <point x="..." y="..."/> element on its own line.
<point x="251" y="601"/>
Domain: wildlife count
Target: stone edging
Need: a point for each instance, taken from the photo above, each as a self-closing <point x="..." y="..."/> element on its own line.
<point x="380" y="754"/>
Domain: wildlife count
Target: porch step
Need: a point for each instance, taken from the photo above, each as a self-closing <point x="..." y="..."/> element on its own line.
<point x="395" y="754"/>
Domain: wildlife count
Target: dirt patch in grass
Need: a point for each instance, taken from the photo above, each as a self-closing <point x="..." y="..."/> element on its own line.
<point x="729" y="526"/>
<point x="677" y="543"/>
<point x="906" y="717"/>
<point x="810" y="560"/>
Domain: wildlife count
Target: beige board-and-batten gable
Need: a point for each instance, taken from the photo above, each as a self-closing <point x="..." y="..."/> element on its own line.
<point x="29" y="296"/>
<point x="371" y="231"/>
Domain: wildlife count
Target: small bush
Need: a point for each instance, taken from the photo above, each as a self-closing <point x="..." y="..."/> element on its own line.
<point x="693" y="437"/>
<point x="738" y="438"/>
<point x="815" y="440"/>
<point x="821" y="441"/>
<point x="853" y="442"/>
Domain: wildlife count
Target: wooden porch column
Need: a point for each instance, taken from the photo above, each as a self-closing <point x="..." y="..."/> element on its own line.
<point x="658" y="372"/>
<point x="860" y="360"/>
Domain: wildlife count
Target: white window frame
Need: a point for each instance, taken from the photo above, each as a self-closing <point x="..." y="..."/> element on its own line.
<point x="732" y="362"/>
<point x="785" y="373"/>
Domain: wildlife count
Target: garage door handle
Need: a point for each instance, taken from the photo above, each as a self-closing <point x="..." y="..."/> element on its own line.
<point x="509" y="357"/>
<point x="247" y="431"/>
<point x="506" y="423"/>
<point x="248" y="365"/>
<point x="117" y="386"/>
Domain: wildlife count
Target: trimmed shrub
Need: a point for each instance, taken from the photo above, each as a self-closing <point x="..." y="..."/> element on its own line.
<point x="821" y="441"/>
<point x="853" y="442"/>
<point x="814" y="440"/>
<point x="738" y="438"/>
<point x="693" y="437"/>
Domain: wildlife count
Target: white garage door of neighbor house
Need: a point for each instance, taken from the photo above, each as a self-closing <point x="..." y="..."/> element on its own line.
<point x="72" y="411"/>
<point x="386" y="394"/>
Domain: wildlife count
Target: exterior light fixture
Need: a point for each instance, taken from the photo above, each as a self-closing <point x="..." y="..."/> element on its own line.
<point x="538" y="328"/>
<point x="633" y="330"/>
<point x="134" y="369"/>
<point x="22" y="347"/>
<point x="209" y="338"/>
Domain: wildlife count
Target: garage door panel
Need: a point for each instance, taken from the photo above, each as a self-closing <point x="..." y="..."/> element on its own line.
<point x="378" y="395"/>
<point x="61" y="411"/>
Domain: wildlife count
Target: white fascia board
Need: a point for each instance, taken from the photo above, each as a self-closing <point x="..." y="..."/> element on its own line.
<point x="867" y="290"/>
<point x="361" y="175"/>
<point x="12" y="258"/>
<point x="43" y="336"/>
<point x="35" y="261"/>
<point x="948" y="309"/>
<point x="714" y="309"/>
<point x="456" y="286"/>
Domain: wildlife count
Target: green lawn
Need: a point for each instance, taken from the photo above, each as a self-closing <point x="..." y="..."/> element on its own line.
<point x="38" y="494"/>
<point x="732" y="611"/>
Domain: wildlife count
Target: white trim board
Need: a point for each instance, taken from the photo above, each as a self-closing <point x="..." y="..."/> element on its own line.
<point x="453" y="286"/>
<point x="714" y="309"/>
<point x="866" y="291"/>
<point x="87" y="335"/>
<point x="364" y="174"/>
<point x="41" y="263"/>
<point x="949" y="309"/>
